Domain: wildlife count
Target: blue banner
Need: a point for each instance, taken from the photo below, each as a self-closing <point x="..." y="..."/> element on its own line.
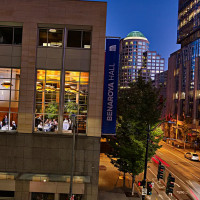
<point x="110" y="87"/>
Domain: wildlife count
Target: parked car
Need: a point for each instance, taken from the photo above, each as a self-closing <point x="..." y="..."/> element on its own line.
<point x="192" y="156"/>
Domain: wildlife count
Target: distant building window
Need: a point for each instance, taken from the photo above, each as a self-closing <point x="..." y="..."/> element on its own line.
<point x="9" y="98"/>
<point x="67" y="196"/>
<point x="11" y="35"/>
<point x="140" y="43"/>
<point x="45" y="196"/>
<point x="162" y="61"/>
<point x="79" y="39"/>
<point x="50" y="37"/>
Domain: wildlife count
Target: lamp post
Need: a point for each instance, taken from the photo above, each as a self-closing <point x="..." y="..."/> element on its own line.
<point x="73" y="121"/>
<point x="146" y="155"/>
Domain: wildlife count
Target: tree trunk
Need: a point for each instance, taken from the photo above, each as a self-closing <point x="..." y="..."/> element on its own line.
<point x="184" y="142"/>
<point x="124" y="180"/>
<point x="133" y="181"/>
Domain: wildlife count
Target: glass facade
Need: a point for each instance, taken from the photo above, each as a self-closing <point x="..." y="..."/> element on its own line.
<point x="48" y="104"/>
<point x="75" y="99"/>
<point x="53" y="37"/>
<point x="9" y="98"/>
<point x="47" y="100"/>
<point x="131" y="60"/>
<point x="188" y="20"/>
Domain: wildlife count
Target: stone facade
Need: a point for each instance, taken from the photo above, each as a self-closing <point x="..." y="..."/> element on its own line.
<point x="28" y="152"/>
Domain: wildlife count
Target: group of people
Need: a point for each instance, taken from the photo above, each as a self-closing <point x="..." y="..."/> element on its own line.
<point x="48" y="126"/>
<point x="51" y="125"/>
<point x="4" y="124"/>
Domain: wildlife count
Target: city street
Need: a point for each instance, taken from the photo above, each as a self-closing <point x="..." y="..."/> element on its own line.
<point x="186" y="173"/>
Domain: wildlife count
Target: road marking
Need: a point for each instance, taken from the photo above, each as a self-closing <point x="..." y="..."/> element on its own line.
<point x="160" y="196"/>
<point x="181" y="192"/>
<point x="177" y="185"/>
<point x="152" y="172"/>
<point x="182" y="159"/>
<point x="195" y="176"/>
<point x="156" y="182"/>
<point x="175" y="176"/>
<point x="174" y="162"/>
<point x="160" y="153"/>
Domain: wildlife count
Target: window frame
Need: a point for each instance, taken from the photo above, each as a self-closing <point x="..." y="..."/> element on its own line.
<point x="61" y="105"/>
<point x="13" y="34"/>
<point x="47" y="35"/>
<point x="9" y="112"/>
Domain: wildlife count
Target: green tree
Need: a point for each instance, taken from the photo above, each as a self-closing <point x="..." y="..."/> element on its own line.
<point x="138" y="107"/>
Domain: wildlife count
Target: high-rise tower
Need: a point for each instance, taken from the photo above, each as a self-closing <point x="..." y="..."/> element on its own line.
<point x="183" y="85"/>
<point x="136" y="58"/>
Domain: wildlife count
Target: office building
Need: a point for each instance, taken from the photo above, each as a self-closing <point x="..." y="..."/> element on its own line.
<point x="51" y="68"/>
<point x="136" y="58"/>
<point x="183" y="88"/>
<point x="153" y="64"/>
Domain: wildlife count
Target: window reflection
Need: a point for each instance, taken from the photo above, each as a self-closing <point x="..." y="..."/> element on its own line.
<point x="47" y="100"/>
<point x="9" y="98"/>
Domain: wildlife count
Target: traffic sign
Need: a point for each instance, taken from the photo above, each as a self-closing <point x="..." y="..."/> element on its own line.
<point x="144" y="191"/>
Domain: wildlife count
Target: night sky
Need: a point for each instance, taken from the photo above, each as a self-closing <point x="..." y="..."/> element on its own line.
<point x="156" y="19"/>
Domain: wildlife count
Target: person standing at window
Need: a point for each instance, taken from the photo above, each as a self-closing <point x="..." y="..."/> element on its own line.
<point x="14" y="126"/>
<point x="5" y="120"/>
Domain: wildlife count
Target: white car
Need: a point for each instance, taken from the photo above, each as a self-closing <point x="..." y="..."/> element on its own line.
<point x="192" y="156"/>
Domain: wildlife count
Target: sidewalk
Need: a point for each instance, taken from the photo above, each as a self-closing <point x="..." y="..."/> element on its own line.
<point x="181" y="149"/>
<point x="111" y="182"/>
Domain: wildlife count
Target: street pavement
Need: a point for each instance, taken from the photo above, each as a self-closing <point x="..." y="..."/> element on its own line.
<point x="111" y="182"/>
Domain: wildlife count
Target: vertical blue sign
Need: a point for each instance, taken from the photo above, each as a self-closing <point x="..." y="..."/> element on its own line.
<point x="110" y="87"/>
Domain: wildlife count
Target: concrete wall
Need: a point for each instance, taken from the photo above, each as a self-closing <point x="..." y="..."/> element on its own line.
<point x="51" y="154"/>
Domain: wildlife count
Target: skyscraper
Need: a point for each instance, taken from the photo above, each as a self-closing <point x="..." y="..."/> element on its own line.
<point x="136" y="58"/>
<point x="183" y="85"/>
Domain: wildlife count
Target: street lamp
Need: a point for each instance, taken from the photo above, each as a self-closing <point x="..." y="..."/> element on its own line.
<point x="73" y="121"/>
<point x="146" y="155"/>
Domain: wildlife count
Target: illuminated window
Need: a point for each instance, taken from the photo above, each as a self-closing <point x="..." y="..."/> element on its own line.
<point x="9" y="98"/>
<point x="76" y="98"/>
<point x="47" y="100"/>
<point x="50" y="37"/>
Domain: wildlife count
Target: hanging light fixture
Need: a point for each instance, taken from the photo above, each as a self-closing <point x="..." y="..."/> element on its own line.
<point x="6" y="84"/>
